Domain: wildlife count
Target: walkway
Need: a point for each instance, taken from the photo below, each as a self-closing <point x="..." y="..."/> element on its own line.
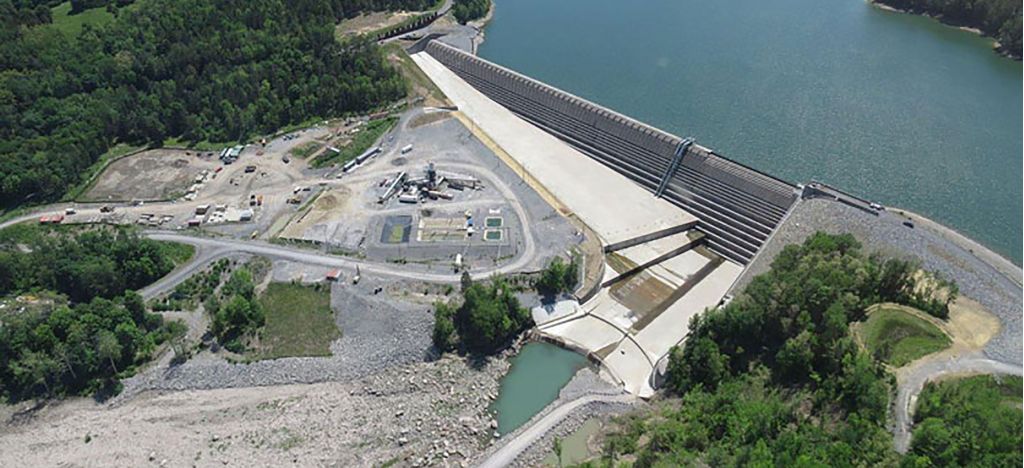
<point x="513" y="448"/>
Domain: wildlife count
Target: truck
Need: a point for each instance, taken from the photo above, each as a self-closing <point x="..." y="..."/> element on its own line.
<point x="406" y="149"/>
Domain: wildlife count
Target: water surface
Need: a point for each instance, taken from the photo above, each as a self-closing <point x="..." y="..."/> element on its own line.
<point x="538" y="372"/>
<point x="893" y="107"/>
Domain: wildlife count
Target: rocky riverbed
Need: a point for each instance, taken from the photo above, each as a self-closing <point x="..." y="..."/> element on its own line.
<point x="423" y="414"/>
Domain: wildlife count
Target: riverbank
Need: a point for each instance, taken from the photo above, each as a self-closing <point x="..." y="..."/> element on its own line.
<point x="479" y="26"/>
<point x="990" y="257"/>
<point x="998" y="47"/>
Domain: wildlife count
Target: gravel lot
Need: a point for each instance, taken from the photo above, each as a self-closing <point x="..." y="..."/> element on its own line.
<point x="886" y="234"/>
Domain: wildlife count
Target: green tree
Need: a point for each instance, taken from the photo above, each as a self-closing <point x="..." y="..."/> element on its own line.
<point x="108" y="348"/>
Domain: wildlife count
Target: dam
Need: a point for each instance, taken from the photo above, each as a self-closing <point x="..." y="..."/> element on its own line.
<point x="678" y="223"/>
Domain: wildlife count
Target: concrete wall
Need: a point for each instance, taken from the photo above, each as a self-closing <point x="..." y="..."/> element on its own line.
<point x="738" y="207"/>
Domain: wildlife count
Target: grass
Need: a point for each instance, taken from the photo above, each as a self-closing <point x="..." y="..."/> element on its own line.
<point x="898" y="337"/>
<point x="177" y="142"/>
<point x="177" y="252"/>
<point x="304" y="151"/>
<point x="299" y="321"/>
<point x="361" y="142"/>
<point x="416" y="81"/>
<point x="396" y="235"/>
<point x="70" y="25"/>
<point x="90" y="175"/>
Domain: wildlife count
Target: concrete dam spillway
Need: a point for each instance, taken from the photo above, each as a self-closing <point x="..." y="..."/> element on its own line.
<point x="677" y="223"/>
<point x="737" y="207"/>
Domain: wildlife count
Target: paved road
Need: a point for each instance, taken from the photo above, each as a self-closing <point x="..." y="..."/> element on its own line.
<point x="508" y="454"/>
<point x="913" y="381"/>
<point x="213" y="248"/>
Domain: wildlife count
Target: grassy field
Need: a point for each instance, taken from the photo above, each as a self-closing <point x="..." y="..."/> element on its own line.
<point x="307" y="149"/>
<point x="360" y="143"/>
<point x="70" y="25"/>
<point x="178" y="253"/>
<point x="898" y="337"/>
<point x="299" y="321"/>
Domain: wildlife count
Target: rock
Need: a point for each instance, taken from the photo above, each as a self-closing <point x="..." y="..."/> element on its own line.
<point x="497" y="434"/>
<point x="152" y="456"/>
<point x="214" y="438"/>
<point x="403" y="441"/>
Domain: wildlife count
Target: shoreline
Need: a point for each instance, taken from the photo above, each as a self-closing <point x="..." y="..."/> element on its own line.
<point x="479" y="26"/>
<point x="997" y="47"/>
<point x="1003" y="265"/>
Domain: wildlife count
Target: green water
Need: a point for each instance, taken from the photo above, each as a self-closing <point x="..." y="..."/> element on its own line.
<point x="538" y="372"/>
<point x="896" y="108"/>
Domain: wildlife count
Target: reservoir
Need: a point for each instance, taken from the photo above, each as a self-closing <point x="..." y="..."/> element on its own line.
<point x="538" y="372"/>
<point x="897" y="108"/>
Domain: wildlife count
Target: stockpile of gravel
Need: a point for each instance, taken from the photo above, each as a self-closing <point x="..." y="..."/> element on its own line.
<point x="887" y="235"/>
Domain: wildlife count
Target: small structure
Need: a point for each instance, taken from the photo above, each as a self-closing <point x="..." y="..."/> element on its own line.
<point x="202" y="209"/>
<point x="333" y="275"/>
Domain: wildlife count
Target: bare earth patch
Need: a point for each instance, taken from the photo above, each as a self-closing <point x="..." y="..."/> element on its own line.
<point x="156" y="174"/>
<point x="363" y="24"/>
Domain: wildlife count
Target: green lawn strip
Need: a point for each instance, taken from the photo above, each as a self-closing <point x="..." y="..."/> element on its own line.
<point x="178" y="253"/>
<point x="413" y="75"/>
<point x="361" y="142"/>
<point x="306" y="150"/>
<point x="177" y="142"/>
<point x="898" y="337"/>
<point x="299" y="321"/>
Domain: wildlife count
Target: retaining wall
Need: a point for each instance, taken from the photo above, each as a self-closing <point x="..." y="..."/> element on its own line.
<point x="738" y="207"/>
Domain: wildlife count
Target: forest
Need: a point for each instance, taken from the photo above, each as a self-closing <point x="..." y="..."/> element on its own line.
<point x="774" y="378"/>
<point x="999" y="19"/>
<point x="80" y="264"/>
<point x="197" y="70"/>
<point x="76" y="323"/>
<point x="469" y="10"/>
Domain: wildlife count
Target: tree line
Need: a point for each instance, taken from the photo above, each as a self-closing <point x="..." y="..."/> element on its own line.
<point x="1000" y="19"/>
<point x="193" y="69"/>
<point x="774" y="378"/>
<point x="469" y="10"/>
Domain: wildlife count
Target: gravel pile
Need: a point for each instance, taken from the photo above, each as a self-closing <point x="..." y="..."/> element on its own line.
<point x="887" y="235"/>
